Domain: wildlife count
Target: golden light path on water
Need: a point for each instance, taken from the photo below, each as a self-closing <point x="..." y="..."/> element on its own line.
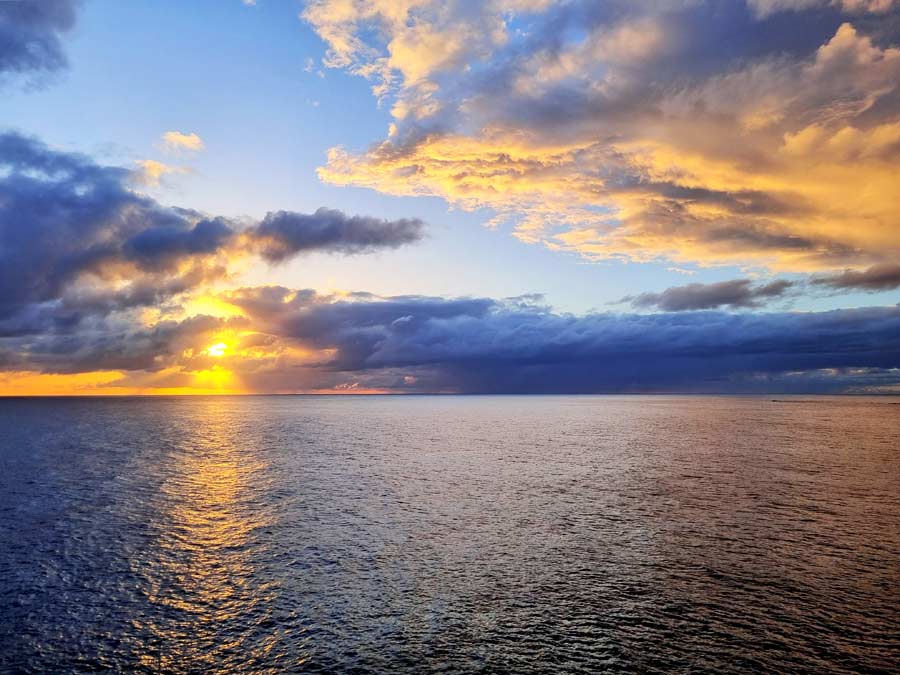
<point x="203" y="579"/>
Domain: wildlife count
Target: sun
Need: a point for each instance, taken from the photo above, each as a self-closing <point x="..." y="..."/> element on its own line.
<point x="217" y="349"/>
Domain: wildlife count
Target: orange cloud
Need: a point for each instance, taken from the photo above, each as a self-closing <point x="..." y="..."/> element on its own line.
<point x="151" y="172"/>
<point x="175" y="140"/>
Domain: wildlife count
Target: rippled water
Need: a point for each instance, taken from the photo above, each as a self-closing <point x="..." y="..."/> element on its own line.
<point x="450" y="534"/>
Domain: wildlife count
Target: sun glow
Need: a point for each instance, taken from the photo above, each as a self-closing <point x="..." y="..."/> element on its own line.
<point x="210" y="305"/>
<point x="217" y="349"/>
<point x="213" y="378"/>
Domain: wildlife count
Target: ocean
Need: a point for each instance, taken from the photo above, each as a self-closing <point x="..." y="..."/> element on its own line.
<point x="450" y="534"/>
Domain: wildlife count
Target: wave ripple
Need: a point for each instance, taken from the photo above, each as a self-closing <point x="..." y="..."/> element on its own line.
<point x="449" y="535"/>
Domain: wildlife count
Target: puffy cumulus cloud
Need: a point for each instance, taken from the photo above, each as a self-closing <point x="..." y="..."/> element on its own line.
<point x="175" y="140"/>
<point x="737" y="293"/>
<point x="31" y="35"/>
<point x="287" y="340"/>
<point x="698" y="132"/>
<point x="876" y="278"/>
<point x="76" y="241"/>
<point x="421" y="38"/>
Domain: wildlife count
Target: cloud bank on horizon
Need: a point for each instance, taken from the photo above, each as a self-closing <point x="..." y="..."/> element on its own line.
<point x="761" y="134"/>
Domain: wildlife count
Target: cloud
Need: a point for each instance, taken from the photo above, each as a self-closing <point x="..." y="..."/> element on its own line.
<point x="31" y="35"/>
<point x="283" y="234"/>
<point x="711" y="133"/>
<point x="109" y="345"/>
<point x="175" y="140"/>
<point x="151" y="172"/>
<point x="300" y="340"/>
<point x="876" y="278"/>
<point x="737" y="293"/>
<point x="72" y="231"/>
<point x="763" y="8"/>
<point x="159" y="244"/>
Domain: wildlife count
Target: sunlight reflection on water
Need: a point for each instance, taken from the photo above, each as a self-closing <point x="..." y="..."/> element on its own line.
<point x="204" y="569"/>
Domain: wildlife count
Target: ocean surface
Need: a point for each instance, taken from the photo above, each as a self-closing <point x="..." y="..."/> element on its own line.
<point x="450" y="535"/>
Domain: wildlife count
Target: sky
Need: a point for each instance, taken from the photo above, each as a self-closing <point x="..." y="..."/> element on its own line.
<point x="412" y="196"/>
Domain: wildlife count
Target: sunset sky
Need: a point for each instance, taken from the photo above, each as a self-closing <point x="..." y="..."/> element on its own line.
<point x="503" y="196"/>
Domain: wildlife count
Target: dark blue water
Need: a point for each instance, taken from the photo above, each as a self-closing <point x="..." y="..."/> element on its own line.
<point x="450" y="534"/>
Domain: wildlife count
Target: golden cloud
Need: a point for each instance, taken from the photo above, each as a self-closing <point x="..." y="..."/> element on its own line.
<point x="788" y="164"/>
<point x="176" y="140"/>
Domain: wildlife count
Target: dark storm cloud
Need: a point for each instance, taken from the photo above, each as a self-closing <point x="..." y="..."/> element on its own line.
<point x="486" y="346"/>
<point x="308" y="315"/>
<point x="63" y="218"/>
<point x="30" y="34"/>
<point x="156" y="245"/>
<point x="876" y="278"/>
<point x="737" y="293"/>
<point x="61" y="214"/>
<point x="283" y="234"/>
<point x="359" y="325"/>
